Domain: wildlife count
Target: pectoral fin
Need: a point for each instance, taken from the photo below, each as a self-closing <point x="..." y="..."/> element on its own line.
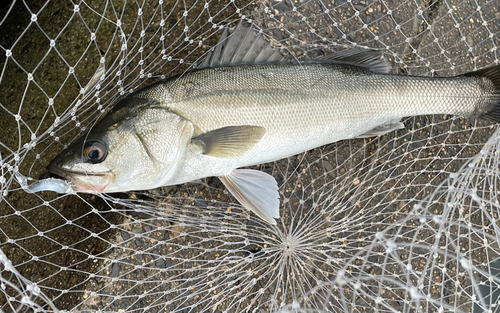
<point x="256" y="191"/>
<point x="229" y="142"/>
<point x="383" y="129"/>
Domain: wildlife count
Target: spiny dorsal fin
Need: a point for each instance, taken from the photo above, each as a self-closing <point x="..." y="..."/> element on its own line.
<point x="241" y="45"/>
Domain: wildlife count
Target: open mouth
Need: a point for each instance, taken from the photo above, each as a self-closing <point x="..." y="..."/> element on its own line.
<point x="49" y="175"/>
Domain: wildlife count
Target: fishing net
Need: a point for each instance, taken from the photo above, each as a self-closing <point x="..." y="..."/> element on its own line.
<point x="405" y="222"/>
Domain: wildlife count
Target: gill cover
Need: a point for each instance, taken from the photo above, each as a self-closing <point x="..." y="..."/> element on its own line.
<point x="164" y="136"/>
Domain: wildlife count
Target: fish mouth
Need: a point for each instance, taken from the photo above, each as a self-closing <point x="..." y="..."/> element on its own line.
<point x="49" y="175"/>
<point x="94" y="182"/>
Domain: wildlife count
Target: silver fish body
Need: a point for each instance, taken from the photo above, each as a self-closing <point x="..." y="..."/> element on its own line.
<point x="305" y="106"/>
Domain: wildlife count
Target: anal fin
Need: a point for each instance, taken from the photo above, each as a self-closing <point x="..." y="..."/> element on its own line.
<point x="256" y="191"/>
<point x="383" y="129"/>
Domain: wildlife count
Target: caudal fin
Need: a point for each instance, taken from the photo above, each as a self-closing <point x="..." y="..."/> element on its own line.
<point x="493" y="74"/>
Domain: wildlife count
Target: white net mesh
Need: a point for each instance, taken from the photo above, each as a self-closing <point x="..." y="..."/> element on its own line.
<point x="400" y="223"/>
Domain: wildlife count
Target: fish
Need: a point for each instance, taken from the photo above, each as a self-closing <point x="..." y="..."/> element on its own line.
<point x="245" y="105"/>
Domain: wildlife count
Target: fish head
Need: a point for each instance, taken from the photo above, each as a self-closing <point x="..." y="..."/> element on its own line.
<point x="136" y="146"/>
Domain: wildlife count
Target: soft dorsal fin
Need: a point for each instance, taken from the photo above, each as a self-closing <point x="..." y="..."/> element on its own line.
<point x="371" y="59"/>
<point x="241" y="45"/>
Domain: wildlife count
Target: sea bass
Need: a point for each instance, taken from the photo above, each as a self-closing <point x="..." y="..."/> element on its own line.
<point x="246" y="106"/>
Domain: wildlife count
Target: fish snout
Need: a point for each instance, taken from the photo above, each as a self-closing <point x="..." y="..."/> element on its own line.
<point x="62" y="162"/>
<point x="70" y="166"/>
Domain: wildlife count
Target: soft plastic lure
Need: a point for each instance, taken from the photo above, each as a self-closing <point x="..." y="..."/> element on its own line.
<point x="50" y="184"/>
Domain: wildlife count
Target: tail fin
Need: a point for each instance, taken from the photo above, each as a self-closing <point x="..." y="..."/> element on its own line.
<point x="493" y="74"/>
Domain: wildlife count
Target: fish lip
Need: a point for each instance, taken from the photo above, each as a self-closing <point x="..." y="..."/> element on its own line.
<point x="73" y="177"/>
<point x="49" y="174"/>
<point x="67" y="173"/>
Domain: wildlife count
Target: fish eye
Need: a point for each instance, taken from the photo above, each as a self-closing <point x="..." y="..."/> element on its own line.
<point x="95" y="151"/>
